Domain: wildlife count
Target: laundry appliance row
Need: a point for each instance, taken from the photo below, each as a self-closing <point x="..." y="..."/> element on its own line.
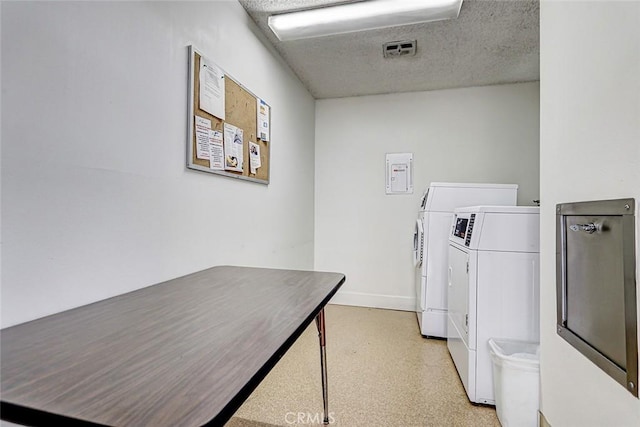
<point x="477" y="274"/>
<point x="431" y="242"/>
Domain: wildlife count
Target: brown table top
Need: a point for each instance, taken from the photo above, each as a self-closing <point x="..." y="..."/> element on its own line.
<point x="185" y="352"/>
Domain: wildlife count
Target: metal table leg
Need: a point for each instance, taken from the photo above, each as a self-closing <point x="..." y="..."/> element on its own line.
<point x="323" y="364"/>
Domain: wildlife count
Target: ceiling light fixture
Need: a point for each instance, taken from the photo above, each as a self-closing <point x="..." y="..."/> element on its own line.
<point x="360" y="16"/>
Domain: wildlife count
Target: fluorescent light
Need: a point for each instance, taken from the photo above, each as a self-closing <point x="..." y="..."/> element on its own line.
<point x="359" y="16"/>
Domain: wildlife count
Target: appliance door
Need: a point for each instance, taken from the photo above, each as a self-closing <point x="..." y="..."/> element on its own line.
<point x="464" y="357"/>
<point x="418" y="262"/>
<point x="437" y="229"/>
<point x="458" y="295"/>
<point x="418" y="243"/>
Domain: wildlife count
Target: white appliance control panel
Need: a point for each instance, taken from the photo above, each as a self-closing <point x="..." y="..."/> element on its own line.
<point x="496" y="228"/>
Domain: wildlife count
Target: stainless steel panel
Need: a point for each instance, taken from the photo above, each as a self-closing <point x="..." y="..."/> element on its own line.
<point x="595" y="295"/>
<point x="596" y="284"/>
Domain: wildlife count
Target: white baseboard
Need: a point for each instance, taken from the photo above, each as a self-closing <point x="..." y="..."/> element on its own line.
<point x="358" y="299"/>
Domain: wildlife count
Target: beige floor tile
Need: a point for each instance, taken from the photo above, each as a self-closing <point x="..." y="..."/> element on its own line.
<point x="381" y="373"/>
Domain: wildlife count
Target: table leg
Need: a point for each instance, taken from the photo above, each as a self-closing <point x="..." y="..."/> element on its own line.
<point x="323" y="364"/>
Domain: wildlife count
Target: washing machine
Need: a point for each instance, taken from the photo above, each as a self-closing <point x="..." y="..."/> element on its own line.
<point x="431" y="238"/>
<point x="493" y="288"/>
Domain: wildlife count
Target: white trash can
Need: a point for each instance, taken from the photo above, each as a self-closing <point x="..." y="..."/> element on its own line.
<point x="516" y="381"/>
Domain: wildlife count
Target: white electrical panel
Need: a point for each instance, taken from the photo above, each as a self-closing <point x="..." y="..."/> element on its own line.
<point x="399" y="173"/>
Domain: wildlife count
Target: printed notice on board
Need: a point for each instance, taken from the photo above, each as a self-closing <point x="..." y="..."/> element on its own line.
<point x="216" y="152"/>
<point x="263" y="120"/>
<point x="233" y="144"/>
<point x="211" y="88"/>
<point x="203" y="126"/>
<point x="254" y="157"/>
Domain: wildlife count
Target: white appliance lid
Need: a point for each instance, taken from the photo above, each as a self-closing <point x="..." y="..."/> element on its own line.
<point x="500" y="209"/>
<point x="471" y="185"/>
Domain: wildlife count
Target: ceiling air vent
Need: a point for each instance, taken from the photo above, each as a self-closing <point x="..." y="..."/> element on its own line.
<point x="402" y="48"/>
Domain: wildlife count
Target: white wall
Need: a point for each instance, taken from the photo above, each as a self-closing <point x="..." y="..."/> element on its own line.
<point x="482" y="134"/>
<point x="96" y="199"/>
<point x="589" y="150"/>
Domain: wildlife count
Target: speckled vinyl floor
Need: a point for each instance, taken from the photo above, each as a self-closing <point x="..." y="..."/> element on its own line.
<point x="381" y="373"/>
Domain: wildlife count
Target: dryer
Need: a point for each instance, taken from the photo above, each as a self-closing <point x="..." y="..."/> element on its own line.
<point x="493" y="288"/>
<point x="431" y="239"/>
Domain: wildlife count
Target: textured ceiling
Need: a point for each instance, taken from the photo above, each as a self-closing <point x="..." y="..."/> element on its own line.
<point x="491" y="42"/>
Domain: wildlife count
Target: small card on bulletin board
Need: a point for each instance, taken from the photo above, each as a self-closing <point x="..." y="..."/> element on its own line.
<point x="229" y="130"/>
<point x="263" y="120"/>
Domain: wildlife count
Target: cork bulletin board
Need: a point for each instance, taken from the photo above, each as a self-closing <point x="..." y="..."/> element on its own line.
<point x="241" y="114"/>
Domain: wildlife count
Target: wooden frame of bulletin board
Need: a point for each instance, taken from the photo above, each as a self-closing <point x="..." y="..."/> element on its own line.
<point x="241" y="109"/>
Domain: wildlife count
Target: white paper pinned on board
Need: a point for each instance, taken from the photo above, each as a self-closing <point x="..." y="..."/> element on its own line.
<point x="203" y="126"/>
<point x="212" y="82"/>
<point x="263" y="120"/>
<point x="216" y="150"/>
<point x="233" y="144"/>
<point x="254" y="157"/>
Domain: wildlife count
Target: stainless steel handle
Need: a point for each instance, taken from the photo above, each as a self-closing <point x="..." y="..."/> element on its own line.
<point x="587" y="228"/>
